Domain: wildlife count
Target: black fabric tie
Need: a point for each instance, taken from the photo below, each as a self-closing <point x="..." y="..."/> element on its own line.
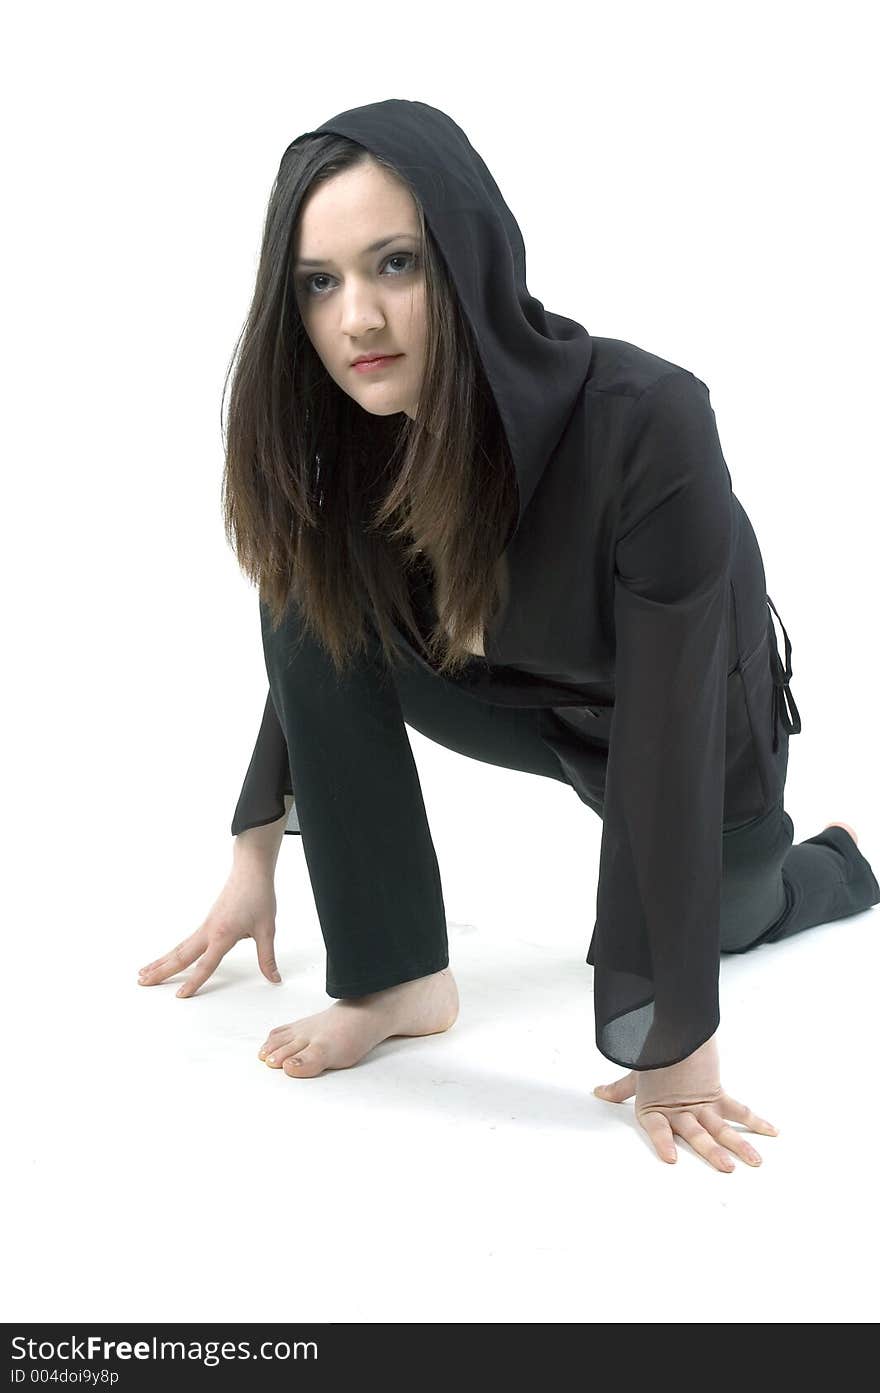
<point x="784" y="707"/>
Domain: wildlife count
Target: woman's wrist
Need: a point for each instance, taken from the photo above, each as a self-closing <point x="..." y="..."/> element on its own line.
<point x="255" y="850"/>
<point x="698" y="1077"/>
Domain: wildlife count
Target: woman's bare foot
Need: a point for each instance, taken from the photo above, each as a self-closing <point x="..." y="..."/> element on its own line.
<point x="846" y="827"/>
<point x="347" y="1030"/>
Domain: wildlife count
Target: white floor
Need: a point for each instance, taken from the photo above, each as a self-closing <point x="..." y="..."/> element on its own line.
<point x="156" y="1170"/>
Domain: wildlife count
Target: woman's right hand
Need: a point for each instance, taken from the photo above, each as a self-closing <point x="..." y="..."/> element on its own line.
<point x="245" y="908"/>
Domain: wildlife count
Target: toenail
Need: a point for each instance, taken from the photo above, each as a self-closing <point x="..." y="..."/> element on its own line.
<point x="271" y="1059"/>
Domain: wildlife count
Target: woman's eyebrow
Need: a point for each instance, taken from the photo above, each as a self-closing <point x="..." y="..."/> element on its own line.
<point x="373" y="247"/>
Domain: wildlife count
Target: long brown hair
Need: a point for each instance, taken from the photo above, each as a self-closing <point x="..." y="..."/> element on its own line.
<point x="329" y="505"/>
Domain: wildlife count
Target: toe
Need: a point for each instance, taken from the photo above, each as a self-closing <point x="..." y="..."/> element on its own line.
<point x="305" y="1063"/>
<point x="276" y="1057"/>
<point x="277" y="1039"/>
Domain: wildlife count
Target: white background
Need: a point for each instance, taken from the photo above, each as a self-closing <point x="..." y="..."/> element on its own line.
<point x="697" y="179"/>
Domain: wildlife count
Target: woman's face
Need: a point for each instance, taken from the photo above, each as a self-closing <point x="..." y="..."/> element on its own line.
<point x="356" y="301"/>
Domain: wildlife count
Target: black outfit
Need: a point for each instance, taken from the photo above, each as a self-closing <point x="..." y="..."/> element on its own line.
<point x="635" y="657"/>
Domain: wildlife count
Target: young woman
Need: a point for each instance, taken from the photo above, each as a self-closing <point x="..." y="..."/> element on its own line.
<point x="468" y="515"/>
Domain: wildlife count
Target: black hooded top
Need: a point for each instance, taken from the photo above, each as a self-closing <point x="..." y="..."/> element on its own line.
<point x="636" y="617"/>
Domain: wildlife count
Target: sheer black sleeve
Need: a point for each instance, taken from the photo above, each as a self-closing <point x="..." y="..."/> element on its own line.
<point x="656" y="943"/>
<point x="267" y="779"/>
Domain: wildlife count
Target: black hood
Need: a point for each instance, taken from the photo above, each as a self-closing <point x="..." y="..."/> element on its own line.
<point x="535" y="361"/>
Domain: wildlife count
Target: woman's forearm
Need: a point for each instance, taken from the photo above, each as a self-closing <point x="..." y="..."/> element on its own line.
<point x="256" y="848"/>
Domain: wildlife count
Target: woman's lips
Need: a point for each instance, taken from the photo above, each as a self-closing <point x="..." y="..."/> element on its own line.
<point x="375" y="364"/>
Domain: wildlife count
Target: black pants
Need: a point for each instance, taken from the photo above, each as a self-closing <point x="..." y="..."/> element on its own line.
<point x="770" y="889"/>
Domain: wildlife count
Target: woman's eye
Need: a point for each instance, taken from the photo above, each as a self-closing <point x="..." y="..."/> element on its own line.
<point x="307" y="281"/>
<point x="402" y="256"/>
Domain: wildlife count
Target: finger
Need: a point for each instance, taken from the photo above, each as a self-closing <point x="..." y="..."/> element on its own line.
<point x="179" y="958"/>
<point x="705" y="1145"/>
<point x="266" y="959"/>
<point x="618" y="1091"/>
<point x="728" y="1136"/>
<point x="212" y="956"/>
<point x="145" y="971"/>
<point x="660" y="1132"/>
<point x="738" y="1112"/>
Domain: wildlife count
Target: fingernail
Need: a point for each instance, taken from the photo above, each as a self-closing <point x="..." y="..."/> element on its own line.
<point x="179" y="991"/>
<point x="276" y="976"/>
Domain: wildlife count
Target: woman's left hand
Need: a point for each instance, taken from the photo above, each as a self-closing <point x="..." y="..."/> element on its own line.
<point x="687" y="1100"/>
